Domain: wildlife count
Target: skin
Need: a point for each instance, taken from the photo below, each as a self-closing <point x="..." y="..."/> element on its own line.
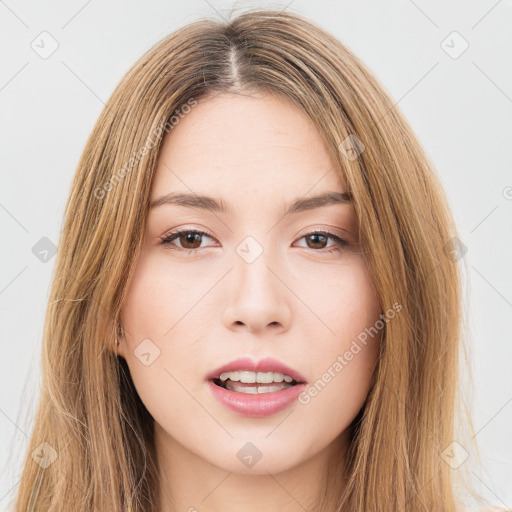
<point x="296" y="302"/>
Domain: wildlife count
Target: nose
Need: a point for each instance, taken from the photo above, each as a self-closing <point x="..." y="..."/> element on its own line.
<point x="258" y="297"/>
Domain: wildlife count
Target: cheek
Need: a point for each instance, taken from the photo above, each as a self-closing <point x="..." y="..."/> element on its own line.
<point x="344" y="357"/>
<point x="344" y="302"/>
<point x="157" y="315"/>
<point x="159" y="296"/>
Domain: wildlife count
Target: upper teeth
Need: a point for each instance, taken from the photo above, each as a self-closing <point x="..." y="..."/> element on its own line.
<point x="249" y="377"/>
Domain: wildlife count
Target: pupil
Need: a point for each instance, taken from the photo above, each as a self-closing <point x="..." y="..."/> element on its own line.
<point x="316" y="236"/>
<point x="189" y="238"/>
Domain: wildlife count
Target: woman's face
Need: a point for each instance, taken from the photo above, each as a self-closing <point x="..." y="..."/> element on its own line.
<point x="261" y="283"/>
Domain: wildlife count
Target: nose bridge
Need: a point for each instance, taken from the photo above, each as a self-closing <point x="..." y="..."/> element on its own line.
<point x="258" y="298"/>
<point x="252" y="263"/>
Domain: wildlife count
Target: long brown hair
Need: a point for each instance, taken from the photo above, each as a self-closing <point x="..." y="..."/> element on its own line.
<point x="92" y="434"/>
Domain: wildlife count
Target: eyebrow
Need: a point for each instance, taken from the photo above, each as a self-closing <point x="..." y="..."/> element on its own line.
<point x="209" y="203"/>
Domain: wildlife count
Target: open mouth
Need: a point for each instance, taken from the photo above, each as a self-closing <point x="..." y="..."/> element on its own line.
<point x="253" y="387"/>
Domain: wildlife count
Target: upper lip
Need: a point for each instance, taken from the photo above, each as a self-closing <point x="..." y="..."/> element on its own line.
<point x="263" y="365"/>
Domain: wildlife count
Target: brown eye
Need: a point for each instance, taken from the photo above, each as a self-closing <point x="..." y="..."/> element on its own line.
<point x="189" y="240"/>
<point x="318" y="241"/>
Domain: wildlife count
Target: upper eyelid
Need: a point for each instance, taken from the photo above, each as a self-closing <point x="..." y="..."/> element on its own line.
<point x="172" y="233"/>
<point x="345" y="236"/>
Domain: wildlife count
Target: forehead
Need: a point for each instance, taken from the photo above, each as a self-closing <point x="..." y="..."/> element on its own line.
<point x="245" y="148"/>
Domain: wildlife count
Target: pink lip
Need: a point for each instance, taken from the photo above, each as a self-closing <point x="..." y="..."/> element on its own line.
<point x="262" y="404"/>
<point x="264" y="365"/>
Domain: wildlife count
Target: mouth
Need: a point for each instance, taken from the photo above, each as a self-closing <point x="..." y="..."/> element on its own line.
<point x="255" y="389"/>
<point x="250" y="377"/>
<point x="254" y="383"/>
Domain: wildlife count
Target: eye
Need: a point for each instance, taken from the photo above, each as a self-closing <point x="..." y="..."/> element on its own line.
<point x="316" y="241"/>
<point x="189" y="238"/>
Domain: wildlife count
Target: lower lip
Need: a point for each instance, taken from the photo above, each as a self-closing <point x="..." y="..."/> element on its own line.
<point x="256" y="405"/>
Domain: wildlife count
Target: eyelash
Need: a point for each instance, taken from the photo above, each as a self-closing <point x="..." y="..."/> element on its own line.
<point x="340" y="242"/>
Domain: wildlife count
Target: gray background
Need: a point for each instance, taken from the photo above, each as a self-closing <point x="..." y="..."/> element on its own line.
<point x="458" y="105"/>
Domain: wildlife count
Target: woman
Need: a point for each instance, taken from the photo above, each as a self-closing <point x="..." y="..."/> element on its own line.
<point x="256" y="302"/>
